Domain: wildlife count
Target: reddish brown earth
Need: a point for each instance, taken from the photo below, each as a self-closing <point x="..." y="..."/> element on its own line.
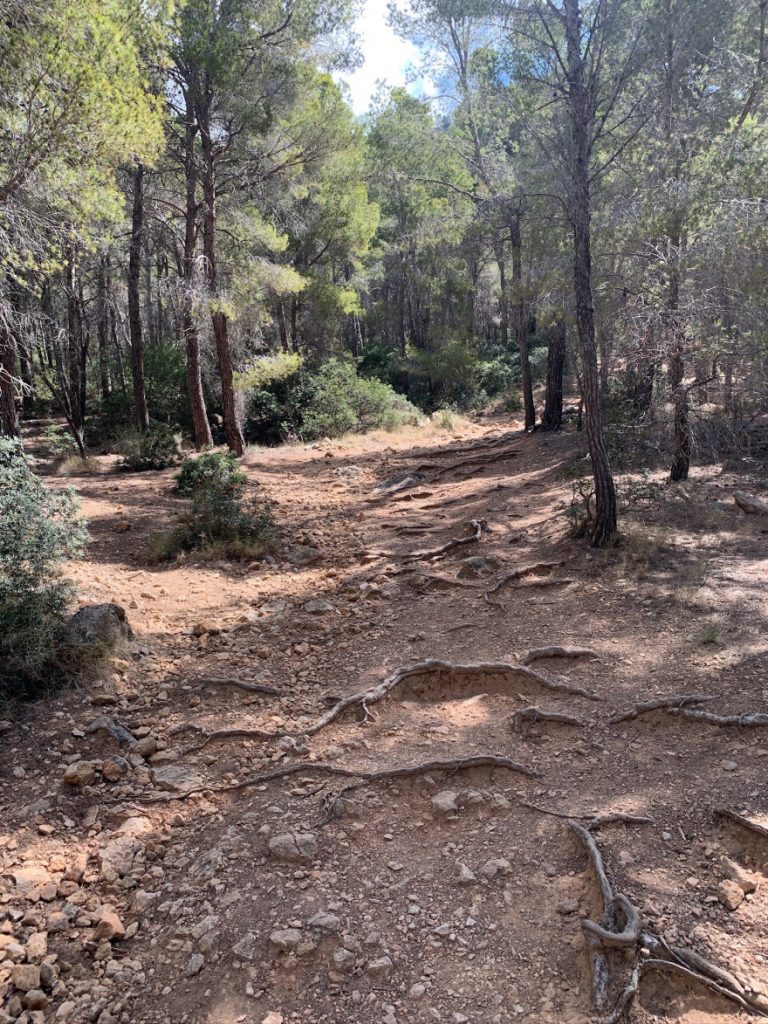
<point x="680" y="607"/>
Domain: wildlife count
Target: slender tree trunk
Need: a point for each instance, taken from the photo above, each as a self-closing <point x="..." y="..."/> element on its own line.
<point x="282" y="325"/>
<point x="103" y="327"/>
<point x="200" y="424"/>
<point x="503" y="297"/>
<point x="521" y="324"/>
<point x="219" y="319"/>
<point x="74" y="343"/>
<point x="553" y="403"/>
<point x="581" y="118"/>
<point x="9" y="417"/>
<point x="134" y="301"/>
<point x="681" y="458"/>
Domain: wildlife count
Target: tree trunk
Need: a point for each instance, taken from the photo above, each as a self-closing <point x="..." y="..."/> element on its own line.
<point x="581" y="117"/>
<point x="681" y="458"/>
<point x="74" y="344"/>
<point x="103" y="327"/>
<point x="552" y="419"/>
<point x="282" y="325"/>
<point x="134" y="301"/>
<point x="521" y="325"/>
<point x="219" y="319"/>
<point x="200" y="424"/>
<point x="503" y="297"/>
<point x="9" y="417"/>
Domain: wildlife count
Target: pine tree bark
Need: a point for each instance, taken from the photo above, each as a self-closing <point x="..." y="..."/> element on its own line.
<point x="581" y="118"/>
<point x="134" y="301"/>
<point x="521" y="323"/>
<point x="219" y="319"/>
<point x="552" y="420"/>
<point x="9" y="417"/>
<point x="102" y="328"/>
<point x="74" y="343"/>
<point x="200" y="424"/>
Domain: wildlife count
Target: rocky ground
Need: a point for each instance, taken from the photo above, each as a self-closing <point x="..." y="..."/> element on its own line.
<point x="152" y="871"/>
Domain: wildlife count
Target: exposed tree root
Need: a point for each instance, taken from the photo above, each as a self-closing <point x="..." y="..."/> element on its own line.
<point x="361" y="778"/>
<point x="740" y="819"/>
<point x="238" y="684"/>
<point x="618" y="817"/>
<point x="424" y="582"/>
<point x="604" y="936"/>
<point x="478" y="525"/>
<point x="680" y="700"/>
<point x="378" y="693"/>
<point x="437" y="470"/>
<point x="559" y="652"/>
<point x="527" y="715"/>
<point x="537" y="568"/>
<point x="226" y="734"/>
<point x="754" y="719"/>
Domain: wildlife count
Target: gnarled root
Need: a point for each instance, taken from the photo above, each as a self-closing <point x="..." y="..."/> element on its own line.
<point x="524" y="716"/>
<point x="559" y="652"/>
<point x="401" y="675"/>
<point x="680" y="700"/>
<point x="478" y="525"/>
<point x="658" y="953"/>
<point x="238" y="684"/>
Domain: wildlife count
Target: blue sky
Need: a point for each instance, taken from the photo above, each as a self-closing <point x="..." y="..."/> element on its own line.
<point x="385" y="56"/>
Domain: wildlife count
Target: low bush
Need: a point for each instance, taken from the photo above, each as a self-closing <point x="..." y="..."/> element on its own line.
<point x="39" y="529"/>
<point x="219" y="469"/>
<point x="157" y="448"/>
<point x="223" y="522"/>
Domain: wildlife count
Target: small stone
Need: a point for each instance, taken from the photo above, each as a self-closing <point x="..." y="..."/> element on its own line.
<point x="57" y="922"/>
<point x="65" y="1011"/>
<point x="729" y="766"/>
<point x="445" y="802"/>
<point x="195" y="964"/>
<point x="36" y="947"/>
<point x="459" y="1018"/>
<point x="343" y="961"/>
<point x="466" y="877"/>
<point x="175" y="778"/>
<point x="318" y="606"/>
<point x="114" y="768"/>
<point x="110" y="928"/>
<point x="417" y="991"/>
<point x="737" y="874"/>
<point x="45" y="830"/>
<point x="495" y="866"/>
<point x="25" y="977"/>
<point x="325" y="922"/>
<point x="81" y="773"/>
<point x="145" y="747"/>
<point x="380" y="967"/>
<point x="273" y="1018"/>
<point x="730" y="894"/>
<point x="293" y="846"/>
<point x="285" y="939"/>
<point x="567" y="907"/>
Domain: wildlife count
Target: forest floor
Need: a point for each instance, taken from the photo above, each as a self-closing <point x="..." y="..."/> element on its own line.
<point x="448" y="896"/>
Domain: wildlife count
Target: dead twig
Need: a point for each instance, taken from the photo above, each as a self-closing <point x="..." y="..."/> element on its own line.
<point x="478" y="525"/>
<point x="679" y="700"/>
<point x="753" y="719"/>
<point x="559" y="652"/>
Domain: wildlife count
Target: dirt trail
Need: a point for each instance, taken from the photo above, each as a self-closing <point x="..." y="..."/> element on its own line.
<point x="443" y="897"/>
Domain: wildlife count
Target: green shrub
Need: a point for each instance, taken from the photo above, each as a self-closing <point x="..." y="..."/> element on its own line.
<point x="344" y="403"/>
<point x="60" y="442"/>
<point x="157" y="448"/>
<point x="223" y="520"/>
<point x="165" y="373"/>
<point x="218" y="469"/>
<point x="38" y="530"/>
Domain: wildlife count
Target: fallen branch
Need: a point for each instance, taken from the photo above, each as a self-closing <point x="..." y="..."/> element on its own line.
<point x="478" y="525"/>
<point x="559" y="652"/>
<point x="227" y="734"/>
<point x="361" y="778"/>
<point x="525" y="715"/>
<point x="661" y="704"/>
<point x="615" y="817"/>
<point x="238" y="684"/>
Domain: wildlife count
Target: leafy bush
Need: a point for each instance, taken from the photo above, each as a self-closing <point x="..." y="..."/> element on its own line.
<point x="210" y="469"/>
<point x="344" y="403"/>
<point x="158" y="448"/>
<point x="60" y="442"/>
<point x="223" y="521"/>
<point x="165" y="373"/>
<point x="38" y="530"/>
<point x="328" y="403"/>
